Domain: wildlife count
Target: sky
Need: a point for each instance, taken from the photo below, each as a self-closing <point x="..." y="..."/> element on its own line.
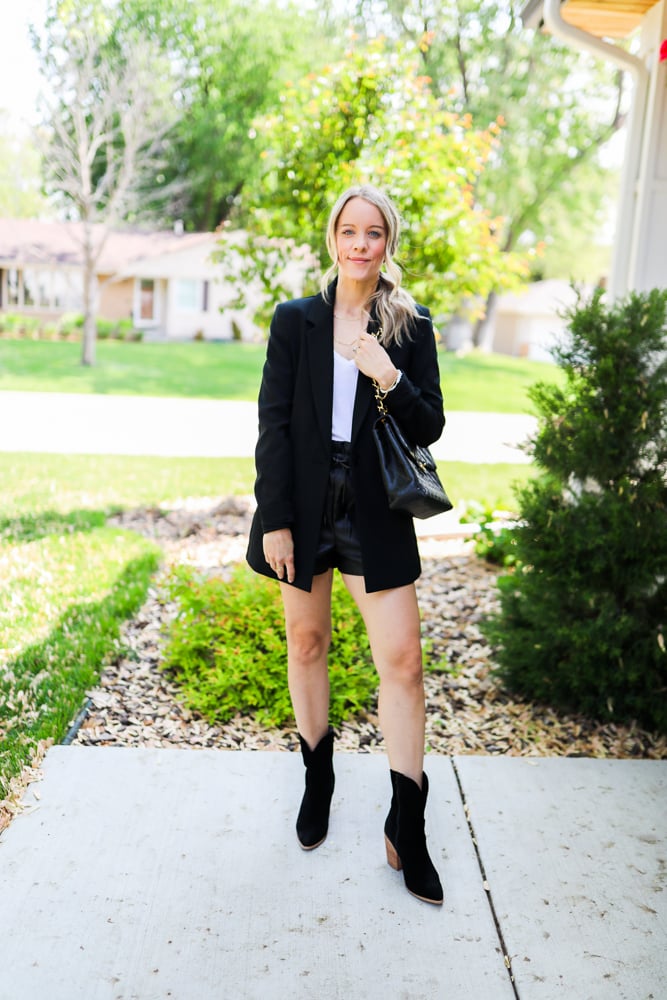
<point x="19" y="76"/>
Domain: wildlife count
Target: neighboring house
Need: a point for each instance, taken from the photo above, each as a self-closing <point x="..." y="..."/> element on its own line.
<point x="531" y="322"/>
<point x="640" y="246"/>
<point x="528" y="323"/>
<point x="164" y="281"/>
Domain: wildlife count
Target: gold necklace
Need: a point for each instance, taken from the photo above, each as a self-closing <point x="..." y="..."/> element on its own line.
<point x="350" y="319"/>
<point x="345" y="343"/>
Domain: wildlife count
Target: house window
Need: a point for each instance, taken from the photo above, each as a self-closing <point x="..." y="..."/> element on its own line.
<point x="12" y="287"/>
<point x="44" y="288"/>
<point x="188" y="294"/>
<point x="42" y="284"/>
<point x="147" y="299"/>
<point x="30" y="291"/>
<point x="67" y="290"/>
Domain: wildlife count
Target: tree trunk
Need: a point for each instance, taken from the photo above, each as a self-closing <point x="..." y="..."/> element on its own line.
<point x="89" y="308"/>
<point x="482" y="337"/>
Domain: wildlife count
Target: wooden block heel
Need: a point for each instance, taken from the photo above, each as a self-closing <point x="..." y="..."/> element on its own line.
<point x="392" y="856"/>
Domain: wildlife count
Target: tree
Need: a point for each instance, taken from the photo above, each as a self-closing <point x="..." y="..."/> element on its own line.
<point x="583" y="619"/>
<point x="230" y="72"/>
<point x="545" y="169"/>
<point x="373" y="117"/>
<point x="102" y="132"/>
<point x="20" y="177"/>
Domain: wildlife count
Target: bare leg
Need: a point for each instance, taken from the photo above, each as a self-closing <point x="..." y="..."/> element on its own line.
<point x="308" y="627"/>
<point x="392" y="622"/>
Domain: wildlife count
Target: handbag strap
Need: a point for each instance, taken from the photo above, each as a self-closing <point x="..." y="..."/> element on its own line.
<point x="379" y="397"/>
<point x="382" y="409"/>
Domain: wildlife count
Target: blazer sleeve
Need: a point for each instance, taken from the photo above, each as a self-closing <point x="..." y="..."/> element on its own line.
<point x="273" y="452"/>
<point x="416" y="402"/>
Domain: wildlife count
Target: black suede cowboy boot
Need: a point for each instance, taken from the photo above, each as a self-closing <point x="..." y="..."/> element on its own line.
<point x="405" y="838"/>
<point x="313" y="820"/>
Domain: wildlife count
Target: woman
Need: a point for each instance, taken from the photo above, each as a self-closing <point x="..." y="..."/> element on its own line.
<point x="321" y="505"/>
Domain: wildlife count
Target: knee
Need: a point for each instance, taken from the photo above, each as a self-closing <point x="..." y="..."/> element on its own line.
<point x="307" y="645"/>
<point x="406" y="667"/>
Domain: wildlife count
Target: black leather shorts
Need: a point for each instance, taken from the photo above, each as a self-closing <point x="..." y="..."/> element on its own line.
<point x="339" y="544"/>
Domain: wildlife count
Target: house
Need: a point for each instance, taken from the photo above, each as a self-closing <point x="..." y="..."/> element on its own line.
<point x="165" y="282"/>
<point x="530" y="323"/>
<point x="640" y="246"/>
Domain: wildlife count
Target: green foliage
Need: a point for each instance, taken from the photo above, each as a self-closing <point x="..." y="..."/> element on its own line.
<point x="545" y="178"/>
<point x="373" y="117"/>
<point x="227" y="72"/>
<point x="227" y="649"/>
<point x="493" y="541"/>
<point x="116" y="329"/>
<point x="584" y="616"/>
<point x="69" y="326"/>
<point x="20" y="325"/>
<point x="20" y="181"/>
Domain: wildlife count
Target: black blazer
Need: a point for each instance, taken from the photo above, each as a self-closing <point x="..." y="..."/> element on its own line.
<point x="293" y="450"/>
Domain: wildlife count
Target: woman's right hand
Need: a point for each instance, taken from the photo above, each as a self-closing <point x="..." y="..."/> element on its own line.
<point x="279" y="553"/>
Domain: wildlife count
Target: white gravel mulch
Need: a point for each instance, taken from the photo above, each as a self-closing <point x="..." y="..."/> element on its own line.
<point x="468" y="712"/>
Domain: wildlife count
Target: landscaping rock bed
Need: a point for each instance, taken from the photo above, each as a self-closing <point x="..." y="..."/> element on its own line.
<point x="468" y="711"/>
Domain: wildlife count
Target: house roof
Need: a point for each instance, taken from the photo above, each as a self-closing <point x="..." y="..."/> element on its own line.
<point x="603" y="18"/>
<point x="25" y="242"/>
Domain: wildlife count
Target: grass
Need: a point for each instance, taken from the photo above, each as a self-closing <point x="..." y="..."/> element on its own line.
<point x="66" y="589"/>
<point x="491" y="383"/>
<point x="86" y="488"/>
<point x="232" y="370"/>
<point x="34" y="485"/>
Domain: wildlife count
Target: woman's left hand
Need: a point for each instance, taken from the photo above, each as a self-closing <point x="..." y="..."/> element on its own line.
<point x="372" y="359"/>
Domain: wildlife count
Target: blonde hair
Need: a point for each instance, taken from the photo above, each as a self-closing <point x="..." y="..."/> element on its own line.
<point x="394" y="308"/>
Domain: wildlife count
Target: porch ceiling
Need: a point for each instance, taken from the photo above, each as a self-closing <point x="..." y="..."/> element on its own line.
<point x="604" y="18"/>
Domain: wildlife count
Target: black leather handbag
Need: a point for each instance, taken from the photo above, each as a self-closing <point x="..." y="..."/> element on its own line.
<point x="408" y="470"/>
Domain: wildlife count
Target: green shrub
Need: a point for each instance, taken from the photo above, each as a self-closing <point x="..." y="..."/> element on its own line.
<point x="106" y="328"/>
<point x="49" y="331"/>
<point x="583" y="618"/>
<point x="10" y="322"/>
<point x="28" y="326"/>
<point x="493" y="542"/>
<point x="125" y="329"/>
<point x="71" y="325"/>
<point x="227" y="650"/>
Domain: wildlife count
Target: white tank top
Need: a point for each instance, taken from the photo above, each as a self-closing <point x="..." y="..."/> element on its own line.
<point x="344" y="389"/>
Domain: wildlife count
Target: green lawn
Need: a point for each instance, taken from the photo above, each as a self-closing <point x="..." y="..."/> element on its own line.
<point x="84" y="487"/>
<point x="232" y="370"/>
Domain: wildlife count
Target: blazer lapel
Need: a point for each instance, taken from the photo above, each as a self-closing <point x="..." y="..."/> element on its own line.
<point x="319" y="345"/>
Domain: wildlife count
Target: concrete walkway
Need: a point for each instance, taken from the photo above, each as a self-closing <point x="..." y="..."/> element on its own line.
<point x="136" y="425"/>
<point x="154" y="874"/>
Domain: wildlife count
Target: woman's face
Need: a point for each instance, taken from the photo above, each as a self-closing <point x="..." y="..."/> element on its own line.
<point x="361" y="239"/>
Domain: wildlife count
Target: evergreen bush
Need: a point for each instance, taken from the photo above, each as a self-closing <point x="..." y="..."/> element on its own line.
<point x="583" y="616"/>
